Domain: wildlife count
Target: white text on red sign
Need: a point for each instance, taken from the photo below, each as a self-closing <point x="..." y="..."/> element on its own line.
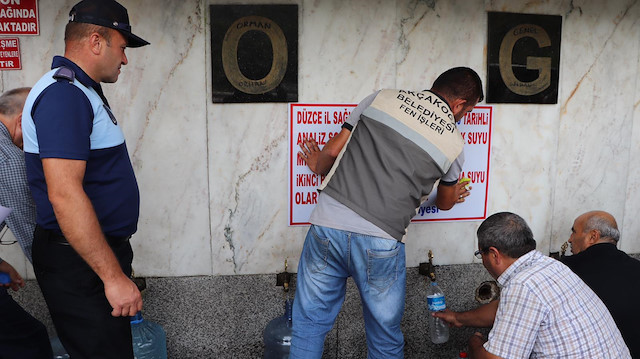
<point x="19" y="17"/>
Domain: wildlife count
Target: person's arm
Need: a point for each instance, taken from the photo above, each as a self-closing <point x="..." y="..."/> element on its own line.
<point x="481" y="317"/>
<point x="80" y="226"/>
<point x="450" y="195"/>
<point x="450" y="190"/>
<point x="15" y="194"/>
<point x="518" y="321"/>
<point x="321" y="161"/>
<point x="16" y="280"/>
<point x="477" y="350"/>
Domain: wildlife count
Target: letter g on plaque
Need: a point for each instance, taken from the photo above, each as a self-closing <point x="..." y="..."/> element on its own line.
<point x="523" y="57"/>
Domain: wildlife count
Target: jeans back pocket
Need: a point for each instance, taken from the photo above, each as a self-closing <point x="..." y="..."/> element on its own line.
<point x="382" y="268"/>
<point x="317" y="251"/>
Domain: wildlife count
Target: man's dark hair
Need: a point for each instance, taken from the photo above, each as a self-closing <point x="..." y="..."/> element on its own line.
<point x="11" y="102"/>
<point x="508" y="233"/>
<point x="459" y="82"/>
<point x="75" y="31"/>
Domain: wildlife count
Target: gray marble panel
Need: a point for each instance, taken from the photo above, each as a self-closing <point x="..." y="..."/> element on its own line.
<point x="596" y="99"/>
<point x="630" y="225"/>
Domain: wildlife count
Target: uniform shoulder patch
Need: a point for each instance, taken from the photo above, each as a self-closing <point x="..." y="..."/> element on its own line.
<point x="64" y="73"/>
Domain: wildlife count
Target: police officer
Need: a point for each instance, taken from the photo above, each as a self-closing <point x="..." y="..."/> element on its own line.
<point x="84" y="187"/>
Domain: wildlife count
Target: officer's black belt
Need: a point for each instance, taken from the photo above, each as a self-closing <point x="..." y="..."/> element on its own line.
<point x="55" y="237"/>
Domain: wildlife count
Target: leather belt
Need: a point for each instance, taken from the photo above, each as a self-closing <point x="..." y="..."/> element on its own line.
<point x="55" y="237"/>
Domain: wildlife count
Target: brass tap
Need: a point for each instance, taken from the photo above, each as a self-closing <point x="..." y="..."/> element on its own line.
<point x="286" y="283"/>
<point x="563" y="248"/>
<point x="427" y="268"/>
<point x="432" y="269"/>
<point x="560" y="255"/>
<point x="282" y="279"/>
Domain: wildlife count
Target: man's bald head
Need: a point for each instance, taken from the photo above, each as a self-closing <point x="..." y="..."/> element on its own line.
<point x="591" y="228"/>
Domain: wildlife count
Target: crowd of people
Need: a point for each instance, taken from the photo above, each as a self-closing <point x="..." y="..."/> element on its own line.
<point x="545" y="309"/>
<point x="75" y="203"/>
<point x="552" y="309"/>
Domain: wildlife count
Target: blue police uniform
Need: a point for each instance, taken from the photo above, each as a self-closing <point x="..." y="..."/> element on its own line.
<point x="67" y="116"/>
<point x="73" y="121"/>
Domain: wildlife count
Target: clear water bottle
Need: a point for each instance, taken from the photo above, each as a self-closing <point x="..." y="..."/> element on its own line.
<point x="58" y="350"/>
<point x="438" y="328"/>
<point x="149" y="339"/>
<point x="277" y="335"/>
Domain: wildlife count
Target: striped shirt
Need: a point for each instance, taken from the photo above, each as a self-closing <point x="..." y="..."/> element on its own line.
<point x="546" y="311"/>
<point x="14" y="192"/>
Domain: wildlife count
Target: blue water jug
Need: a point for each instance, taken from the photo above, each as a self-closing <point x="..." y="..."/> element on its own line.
<point x="58" y="350"/>
<point x="149" y="339"/>
<point x="277" y="335"/>
<point x="5" y="278"/>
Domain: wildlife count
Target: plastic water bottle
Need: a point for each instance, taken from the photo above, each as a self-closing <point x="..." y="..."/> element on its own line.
<point x="149" y="339"/>
<point x="277" y="335"/>
<point x="438" y="328"/>
<point x="58" y="350"/>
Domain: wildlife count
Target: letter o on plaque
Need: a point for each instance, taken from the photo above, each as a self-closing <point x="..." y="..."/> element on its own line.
<point x="230" y="54"/>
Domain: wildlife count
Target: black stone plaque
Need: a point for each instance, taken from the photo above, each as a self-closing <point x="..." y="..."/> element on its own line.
<point x="254" y="53"/>
<point x="523" y="58"/>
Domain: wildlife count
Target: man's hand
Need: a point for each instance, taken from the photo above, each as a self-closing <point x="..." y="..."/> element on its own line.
<point x="309" y="154"/>
<point x="480" y="317"/>
<point x="320" y="161"/>
<point x="16" y="280"/>
<point x="449" y="316"/>
<point x="449" y="196"/>
<point x="462" y="189"/>
<point x="123" y="296"/>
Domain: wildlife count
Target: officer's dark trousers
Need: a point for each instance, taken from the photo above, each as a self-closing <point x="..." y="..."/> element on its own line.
<point x="75" y="296"/>
<point x="21" y="335"/>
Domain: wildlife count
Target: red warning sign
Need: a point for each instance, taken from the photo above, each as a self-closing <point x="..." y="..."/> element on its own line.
<point x="10" y="53"/>
<point x="19" y="17"/>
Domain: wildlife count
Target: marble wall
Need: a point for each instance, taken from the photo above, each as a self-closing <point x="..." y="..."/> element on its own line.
<point x="213" y="177"/>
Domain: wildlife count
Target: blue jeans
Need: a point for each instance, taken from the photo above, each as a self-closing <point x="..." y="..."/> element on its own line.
<point x="377" y="265"/>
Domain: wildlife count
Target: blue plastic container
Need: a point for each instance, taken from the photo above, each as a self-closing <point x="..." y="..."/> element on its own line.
<point x="149" y="339"/>
<point x="277" y="335"/>
<point x="5" y="278"/>
<point x="58" y="350"/>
